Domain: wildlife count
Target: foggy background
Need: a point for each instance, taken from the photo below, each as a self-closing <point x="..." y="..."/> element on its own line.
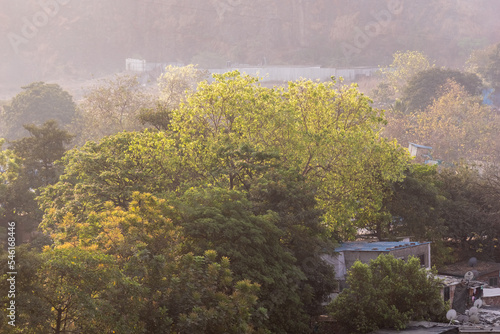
<point x="70" y="41"/>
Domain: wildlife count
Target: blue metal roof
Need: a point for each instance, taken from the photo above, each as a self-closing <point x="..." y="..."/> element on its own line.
<point x="378" y="246"/>
<point x="421" y="146"/>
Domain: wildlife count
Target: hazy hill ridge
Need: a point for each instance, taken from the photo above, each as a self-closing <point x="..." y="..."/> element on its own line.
<point x="51" y="39"/>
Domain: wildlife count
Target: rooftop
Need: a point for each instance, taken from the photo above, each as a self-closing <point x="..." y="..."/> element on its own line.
<point x="460" y="268"/>
<point x="377" y="246"/>
<point x="420" y="146"/>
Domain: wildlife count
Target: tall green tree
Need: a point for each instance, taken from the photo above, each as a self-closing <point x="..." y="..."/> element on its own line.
<point x="324" y="133"/>
<point x="67" y="290"/>
<point x="303" y="232"/>
<point x="468" y="214"/>
<point x="396" y="76"/>
<point x="37" y="168"/>
<point x="426" y="86"/>
<point x="36" y="104"/>
<point x="221" y="219"/>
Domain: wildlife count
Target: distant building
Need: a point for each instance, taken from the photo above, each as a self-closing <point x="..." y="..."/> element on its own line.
<point x="422" y="154"/>
<point x="462" y="293"/>
<point x="349" y="252"/>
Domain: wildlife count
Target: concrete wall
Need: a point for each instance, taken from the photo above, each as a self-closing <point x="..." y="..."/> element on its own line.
<point x="417" y="250"/>
<point x="365" y="257"/>
<point x="338" y="262"/>
<point x="403" y="253"/>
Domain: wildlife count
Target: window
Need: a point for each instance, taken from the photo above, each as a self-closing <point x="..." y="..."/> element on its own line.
<point x="422" y="260"/>
<point x="493" y="281"/>
<point x="446" y="293"/>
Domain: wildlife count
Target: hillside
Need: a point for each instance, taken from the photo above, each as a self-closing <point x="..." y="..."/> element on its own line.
<point x="48" y="40"/>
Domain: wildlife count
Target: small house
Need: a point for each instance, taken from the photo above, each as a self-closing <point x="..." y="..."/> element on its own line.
<point x="349" y="252"/>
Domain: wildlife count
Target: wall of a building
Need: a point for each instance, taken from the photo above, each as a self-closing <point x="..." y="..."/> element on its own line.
<point x="416" y="250"/>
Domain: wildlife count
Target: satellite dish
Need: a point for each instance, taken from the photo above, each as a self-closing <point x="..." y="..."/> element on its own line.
<point x="478" y="303"/>
<point x="472" y="262"/>
<point x="451" y="315"/>
<point x="469" y="275"/>
<point x="473" y="310"/>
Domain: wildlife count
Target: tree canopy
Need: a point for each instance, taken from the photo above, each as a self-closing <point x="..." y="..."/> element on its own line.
<point x="426" y="86"/>
<point x="263" y="176"/>
<point x="37" y="103"/>
<point x="387" y="293"/>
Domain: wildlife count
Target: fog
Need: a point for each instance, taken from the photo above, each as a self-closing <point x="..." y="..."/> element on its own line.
<point x="69" y="41"/>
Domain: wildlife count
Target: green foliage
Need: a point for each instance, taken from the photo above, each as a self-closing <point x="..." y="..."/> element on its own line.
<point x="9" y="171"/>
<point x="38" y="103"/>
<point x="178" y="291"/>
<point x="177" y="83"/>
<point x="72" y="290"/>
<point x="303" y="232"/>
<point x="459" y="127"/>
<point x="112" y="170"/>
<point x="387" y="293"/>
<point x="233" y="128"/>
<point x="468" y="213"/>
<point x="159" y="117"/>
<point x="220" y="219"/>
<point x="416" y="207"/>
<point x="35" y="168"/>
<point x="261" y="175"/>
<point x="404" y="66"/>
<point x="426" y="86"/>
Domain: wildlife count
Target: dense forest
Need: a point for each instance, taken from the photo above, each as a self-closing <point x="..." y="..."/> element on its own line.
<point x="204" y="203"/>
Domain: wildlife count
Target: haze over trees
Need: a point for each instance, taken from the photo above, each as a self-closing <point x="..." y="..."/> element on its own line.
<point x="204" y="204"/>
<point x="246" y="184"/>
<point x="80" y="40"/>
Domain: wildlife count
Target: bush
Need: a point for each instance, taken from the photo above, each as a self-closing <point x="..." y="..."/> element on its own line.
<point x="387" y="293"/>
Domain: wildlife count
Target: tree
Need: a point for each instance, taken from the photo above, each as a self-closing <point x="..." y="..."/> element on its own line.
<point x="396" y="76"/>
<point x="486" y="64"/>
<point x="458" y="127"/>
<point x="68" y="290"/>
<point x="222" y="220"/>
<point x="159" y="117"/>
<point x="37" y="156"/>
<point x="387" y="293"/>
<point x="426" y="86"/>
<point x="111" y="171"/>
<point x="468" y="213"/>
<point x="113" y="106"/>
<point x="416" y="208"/>
<point x="38" y="103"/>
<point x="9" y="170"/>
<point x="177" y="83"/>
<point x="303" y="232"/>
<point x="323" y="133"/>
<point x="179" y="291"/>
<point x="230" y="142"/>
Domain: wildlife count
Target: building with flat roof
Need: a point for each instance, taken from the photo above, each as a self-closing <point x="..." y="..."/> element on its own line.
<point x="349" y="252"/>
